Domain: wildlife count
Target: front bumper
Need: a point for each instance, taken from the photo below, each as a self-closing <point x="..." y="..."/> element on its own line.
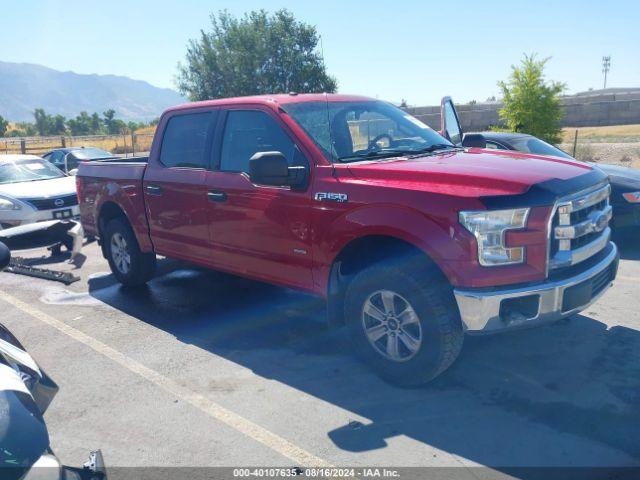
<point x="502" y="309"/>
<point x="28" y="215"/>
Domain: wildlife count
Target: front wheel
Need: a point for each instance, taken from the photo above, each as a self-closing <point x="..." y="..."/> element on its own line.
<point x="129" y="265"/>
<point x="403" y="324"/>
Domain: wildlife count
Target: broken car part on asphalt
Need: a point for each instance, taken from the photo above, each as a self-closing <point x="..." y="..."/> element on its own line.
<point x="54" y="234"/>
<point x="21" y="266"/>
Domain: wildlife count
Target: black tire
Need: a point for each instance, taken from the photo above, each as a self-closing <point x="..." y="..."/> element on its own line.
<point x="431" y="298"/>
<point x="141" y="265"/>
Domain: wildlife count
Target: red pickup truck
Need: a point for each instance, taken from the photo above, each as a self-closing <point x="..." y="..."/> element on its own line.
<point x="413" y="240"/>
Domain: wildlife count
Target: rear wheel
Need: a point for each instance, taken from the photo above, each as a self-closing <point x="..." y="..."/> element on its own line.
<point x="129" y="265"/>
<point x="404" y="324"/>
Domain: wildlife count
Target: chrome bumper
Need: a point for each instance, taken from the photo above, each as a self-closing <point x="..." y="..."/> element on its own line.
<point x="487" y="311"/>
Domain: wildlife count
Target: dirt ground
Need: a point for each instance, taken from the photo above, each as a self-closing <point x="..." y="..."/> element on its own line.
<point x="625" y="154"/>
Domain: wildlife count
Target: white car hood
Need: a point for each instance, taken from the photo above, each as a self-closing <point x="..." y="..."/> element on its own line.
<point x="53" y="187"/>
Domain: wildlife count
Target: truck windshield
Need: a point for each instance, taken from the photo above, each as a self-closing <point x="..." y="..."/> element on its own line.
<point x="364" y="130"/>
<point x="28" y="171"/>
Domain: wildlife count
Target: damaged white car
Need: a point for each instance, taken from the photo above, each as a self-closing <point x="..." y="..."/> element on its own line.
<point x="34" y="190"/>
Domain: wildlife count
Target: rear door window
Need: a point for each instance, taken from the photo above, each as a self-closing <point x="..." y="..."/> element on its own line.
<point x="185" y="140"/>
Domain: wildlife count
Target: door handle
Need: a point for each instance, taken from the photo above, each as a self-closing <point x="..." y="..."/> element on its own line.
<point x="154" y="189"/>
<point x="216" y="196"/>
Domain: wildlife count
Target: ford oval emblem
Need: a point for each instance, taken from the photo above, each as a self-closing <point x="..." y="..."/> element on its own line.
<point x="601" y="222"/>
<point x="58" y="202"/>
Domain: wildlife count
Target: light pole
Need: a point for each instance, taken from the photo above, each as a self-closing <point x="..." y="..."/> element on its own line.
<point x="606" y="66"/>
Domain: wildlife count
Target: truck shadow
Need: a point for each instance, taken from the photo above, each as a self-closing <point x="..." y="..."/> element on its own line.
<point x="536" y="397"/>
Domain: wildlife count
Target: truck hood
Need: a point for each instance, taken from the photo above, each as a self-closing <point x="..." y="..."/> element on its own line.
<point x="54" y="187"/>
<point x="470" y="173"/>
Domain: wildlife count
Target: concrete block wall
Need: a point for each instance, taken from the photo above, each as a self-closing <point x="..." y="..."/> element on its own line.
<point x="607" y="107"/>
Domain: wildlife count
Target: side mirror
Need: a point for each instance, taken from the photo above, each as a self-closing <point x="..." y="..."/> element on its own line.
<point x="474" y="140"/>
<point x="450" y="126"/>
<point x="5" y="256"/>
<point x="272" y="168"/>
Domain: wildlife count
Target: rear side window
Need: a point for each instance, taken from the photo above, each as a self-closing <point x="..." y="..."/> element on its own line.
<point x="248" y="132"/>
<point x="185" y="140"/>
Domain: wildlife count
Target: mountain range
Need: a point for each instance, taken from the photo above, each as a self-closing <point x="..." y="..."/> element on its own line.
<point x="25" y="87"/>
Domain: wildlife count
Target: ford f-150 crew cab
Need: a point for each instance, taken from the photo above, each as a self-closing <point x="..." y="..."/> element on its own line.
<point x="413" y="240"/>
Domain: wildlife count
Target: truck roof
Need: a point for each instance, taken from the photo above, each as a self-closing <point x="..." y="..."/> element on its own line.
<point x="278" y="99"/>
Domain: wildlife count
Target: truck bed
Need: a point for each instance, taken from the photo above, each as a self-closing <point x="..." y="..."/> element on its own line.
<point x="116" y="180"/>
<point x="131" y="168"/>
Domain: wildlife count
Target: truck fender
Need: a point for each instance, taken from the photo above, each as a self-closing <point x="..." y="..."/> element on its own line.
<point x="129" y="201"/>
<point x="428" y="235"/>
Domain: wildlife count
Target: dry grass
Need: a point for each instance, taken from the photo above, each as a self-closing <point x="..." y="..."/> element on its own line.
<point x="626" y="154"/>
<point x="608" y="134"/>
<point x="146" y="131"/>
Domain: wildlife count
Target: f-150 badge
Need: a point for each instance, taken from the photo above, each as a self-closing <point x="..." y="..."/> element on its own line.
<point x="331" y="197"/>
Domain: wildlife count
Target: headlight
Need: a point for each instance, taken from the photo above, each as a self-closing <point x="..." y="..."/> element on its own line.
<point x="489" y="227"/>
<point x="8" y="204"/>
<point x="632" y="197"/>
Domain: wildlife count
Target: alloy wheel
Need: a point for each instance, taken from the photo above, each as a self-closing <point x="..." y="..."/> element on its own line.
<point x="120" y="253"/>
<point x="391" y="325"/>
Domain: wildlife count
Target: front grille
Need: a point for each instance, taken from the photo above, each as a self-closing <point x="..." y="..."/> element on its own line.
<point x="601" y="280"/>
<point x="581" y="294"/>
<point x="53" y="202"/>
<point x="579" y="227"/>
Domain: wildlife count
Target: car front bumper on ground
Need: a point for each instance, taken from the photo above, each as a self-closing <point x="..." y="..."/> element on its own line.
<point x="484" y="311"/>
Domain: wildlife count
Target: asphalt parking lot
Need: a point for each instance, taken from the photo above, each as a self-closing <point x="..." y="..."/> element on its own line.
<point x="206" y="369"/>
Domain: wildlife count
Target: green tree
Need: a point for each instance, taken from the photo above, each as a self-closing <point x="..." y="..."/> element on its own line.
<point x="81" y="125"/>
<point x="4" y="125"/>
<point x="530" y="103"/>
<point x="43" y="121"/>
<point x="58" y="125"/>
<point x="133" y="126"/>
<point x="110" y="122"/>
<point x="259" y="53"/>
<point x="46" y="124"/>
<point x="96" y="124"/>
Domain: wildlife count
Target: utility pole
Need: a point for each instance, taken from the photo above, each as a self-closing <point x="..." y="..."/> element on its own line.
<point x="606" y="66"/>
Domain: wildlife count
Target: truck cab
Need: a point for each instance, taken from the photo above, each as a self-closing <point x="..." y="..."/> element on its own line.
<point x="413" y="240"/>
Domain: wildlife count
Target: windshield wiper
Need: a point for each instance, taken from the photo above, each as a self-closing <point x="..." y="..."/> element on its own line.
<point x="433" y="148"/>
<point x="372" y="154"/>
<point x="398" y="151"/>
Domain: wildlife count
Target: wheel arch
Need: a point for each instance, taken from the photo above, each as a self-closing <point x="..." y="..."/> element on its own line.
<point x="109" y="210"/>
<point x="367" y="250"/>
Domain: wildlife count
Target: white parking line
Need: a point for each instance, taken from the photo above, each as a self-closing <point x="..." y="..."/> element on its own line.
<point x="275" y="442"/>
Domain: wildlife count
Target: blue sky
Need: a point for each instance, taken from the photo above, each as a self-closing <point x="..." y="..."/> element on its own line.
<point x="417" y="49"/>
